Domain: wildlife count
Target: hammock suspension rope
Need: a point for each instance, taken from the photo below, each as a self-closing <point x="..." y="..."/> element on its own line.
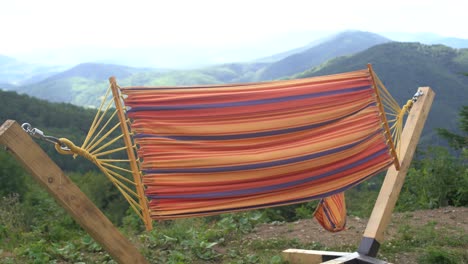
<point x="178" y="185"/>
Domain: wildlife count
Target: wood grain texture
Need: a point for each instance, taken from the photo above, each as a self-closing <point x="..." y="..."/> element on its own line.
<point x="131" y="155"/>
<point x="388" y="196"/>
<point x="302" y="256"/>
<point x="355" y="258"/>
<point x="67" y="194"/>
<point x="391" y="187"/>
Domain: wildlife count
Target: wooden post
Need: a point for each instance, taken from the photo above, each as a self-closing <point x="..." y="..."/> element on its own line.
<point x="67" y="194"/>
<point x="388" y="196"/>
<point x="391" y="187"/>
<point x="302" y="256"/>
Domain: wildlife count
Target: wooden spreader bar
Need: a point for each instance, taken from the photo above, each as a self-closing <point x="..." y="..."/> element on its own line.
<point x="88" y="216"/>
<point x="388" y="196"/>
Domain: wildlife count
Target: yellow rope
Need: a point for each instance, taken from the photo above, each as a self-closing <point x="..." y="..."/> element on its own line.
<point x="94" y="143"/>
<point x="393" y="109"/>
<point x="101" y="115"/>
<point x="119" y="183"/>
<point x="114" y="160"/>
<point x="110" y="151"/>
<point x="100" y="131"/>
<point x="107" y="144"/>
<point x="118" y="175"/>
<point x="103" y="137"/>
<point x="103" y="164"/>
<point x="134" y="204"/>
<point x="96" y="117"/>
<point x="115" y="167"/>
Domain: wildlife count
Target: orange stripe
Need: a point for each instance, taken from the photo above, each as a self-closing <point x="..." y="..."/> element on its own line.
<point x="346" y="117"/>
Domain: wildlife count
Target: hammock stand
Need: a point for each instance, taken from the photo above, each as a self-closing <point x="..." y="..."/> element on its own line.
<point x="385" y="203"/>
<point x="68" y="195"/>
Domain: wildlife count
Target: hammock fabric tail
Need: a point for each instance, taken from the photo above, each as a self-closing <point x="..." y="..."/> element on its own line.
<point x="212" y="149"/>
<point x="331" y="212"/>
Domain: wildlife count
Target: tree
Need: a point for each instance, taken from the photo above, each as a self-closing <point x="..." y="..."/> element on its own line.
<point x="455" y="140"/>
<point x="12" y="176"/>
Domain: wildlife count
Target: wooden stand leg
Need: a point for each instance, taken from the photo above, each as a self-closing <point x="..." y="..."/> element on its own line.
<point x="391" y="187"/>
<point x="67" y="194"/>
<point x="302" y="256"/>
<point x="383" y="208"/>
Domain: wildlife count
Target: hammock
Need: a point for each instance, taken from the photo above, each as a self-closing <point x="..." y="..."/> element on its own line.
<point x="204" y="150"/>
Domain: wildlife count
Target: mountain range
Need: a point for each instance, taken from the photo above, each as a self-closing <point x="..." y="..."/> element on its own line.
<point x="34" y="66"/>
<point x="402" y="66"/>
<point x="346" y="43"/>
<point x="80" y="84"/>
<point x="15" y="73"/>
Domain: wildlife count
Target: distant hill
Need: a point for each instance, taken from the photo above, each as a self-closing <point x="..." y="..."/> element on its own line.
<point x="235" y="72"/>
<point x="345" y="43"/>
<point x="284" y="54"/>
<point x="81" y="85"/>
<point x="403" y="67"/>
<point x="427" y="38"/>
<point x="56" y="119"/>
<point x="84" y="84"/>
<point x="14" y="72"/>
<point x="96" y="71"/>
<point x="7" y="86"/>
<point x="452" y="42"/>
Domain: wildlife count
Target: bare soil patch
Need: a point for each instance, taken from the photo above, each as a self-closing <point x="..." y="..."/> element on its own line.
<point x="452" y="219"/>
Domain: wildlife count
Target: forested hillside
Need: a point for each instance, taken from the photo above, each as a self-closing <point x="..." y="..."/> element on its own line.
<point x="83" y="84"/>
<point x="34" y="229"/>
<point x="346" y="43"/>
<point x="403" y="67"/>
<point x="57" y="119"/>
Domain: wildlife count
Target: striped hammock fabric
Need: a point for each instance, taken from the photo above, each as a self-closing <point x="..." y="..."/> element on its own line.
<point x="206" y="150"/>
<point x="331" y="213"/>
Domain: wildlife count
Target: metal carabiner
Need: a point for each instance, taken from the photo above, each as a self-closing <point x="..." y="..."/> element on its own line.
<point x="417" y="95"/>
<point x="39" y="134"/>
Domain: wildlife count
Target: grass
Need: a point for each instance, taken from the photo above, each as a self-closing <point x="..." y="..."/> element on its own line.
<point x="429" y="243"/>
<point x="217" y="239"/>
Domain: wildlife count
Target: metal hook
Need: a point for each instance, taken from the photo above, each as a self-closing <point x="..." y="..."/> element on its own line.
<point x="417" y="95"/>
<point x="39" y="134"/>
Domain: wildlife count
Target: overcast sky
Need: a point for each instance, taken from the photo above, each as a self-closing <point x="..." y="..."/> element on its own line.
<point x="29" y="25"/>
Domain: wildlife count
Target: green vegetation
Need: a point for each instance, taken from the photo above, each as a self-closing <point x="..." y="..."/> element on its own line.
<point x="56" y="119"/>
<point x="346" y="43"/>
<point x="34" y="229"/>
<point x="403" y="67"/>
<point x="432" y="244"/>
<point x="455" y="140"/>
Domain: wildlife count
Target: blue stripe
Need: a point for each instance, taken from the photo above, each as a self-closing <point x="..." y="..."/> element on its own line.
<point x="195" y="87"/>
<point x="287" y="202"/>
<point x="256" y="134"/>
<point x="263" y="164"/>
<point x="248" y="103"/>
<point x="273" y="187"/>
<point x="327" y="214"/>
